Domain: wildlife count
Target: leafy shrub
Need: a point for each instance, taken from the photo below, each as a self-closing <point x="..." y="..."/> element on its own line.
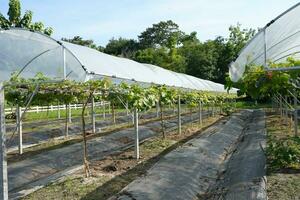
<point x="227" y="109"/>
<point x="283" y="152"/>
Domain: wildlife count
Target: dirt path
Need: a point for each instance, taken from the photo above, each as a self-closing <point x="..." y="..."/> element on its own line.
<point x="190" y="171"/>
<point x="33" y="172"/>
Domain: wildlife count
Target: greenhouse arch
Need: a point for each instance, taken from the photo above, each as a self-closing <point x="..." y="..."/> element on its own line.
<point x="28" y="53"/>
<point x="274" y="43"/>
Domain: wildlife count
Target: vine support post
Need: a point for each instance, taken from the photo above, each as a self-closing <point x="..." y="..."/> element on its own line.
<point x="136" y="131"/>
<point x="58" y="110"/>
<point x="66" y="122"/>
<point x="235" y="103"/>
<point x="280" y="105"/>
<point x="103" y="109"/>
<point x="273" y="106"/>
<point x="174" y="110"/>
<point x="157" y="109"/>
<point x="296" y="114"/>
<point x="19" y="128"/>
<point x="127" y="110"/>
<point x="200" y="114"/>
<point x="70" y="113"/>
<point x="113" y="113"/>
<point x="93" y="115"/>
<point x="3" y="165"/>
<point x="286" y="109"/>
<point x="179" y="114"/>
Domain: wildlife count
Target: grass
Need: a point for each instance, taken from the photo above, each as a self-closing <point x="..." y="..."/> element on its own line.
<point x="283" y="184"/>
<point x="33" y="116"/>
<point x="251" y="105"/>
<point x="111" y="175"/>
<point x="46" y="115"/>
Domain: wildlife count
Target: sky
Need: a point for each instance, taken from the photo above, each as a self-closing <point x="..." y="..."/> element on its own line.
<point x="101" y="20"/>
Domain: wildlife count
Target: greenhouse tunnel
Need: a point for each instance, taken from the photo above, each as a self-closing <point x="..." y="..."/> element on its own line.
<point x="28" y="53"/>
<point x="274" y="43"/>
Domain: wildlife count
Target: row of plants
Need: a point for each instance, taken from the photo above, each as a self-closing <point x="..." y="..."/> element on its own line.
<point x="261" y="84"/>
<point x="19" y="91"/>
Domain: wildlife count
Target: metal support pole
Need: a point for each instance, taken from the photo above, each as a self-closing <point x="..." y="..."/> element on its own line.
<point x="70" y="113"/>
<point x="3" y="158"/>
<point x="296" y="114"/>
<point x="157" y="110"/>
<point x="19" y="128"/>
<point x="66" y="121"/>
<point x="179" y="115"/>
<point x="109" y="108"/>
<point x="104" y="110"/>
<point x="280" y="106"/>
<point x="64" y="63"/>
<point x="58" y="111"/>
<point x="265" y="48"/>
<point x="286" y="109"/>
<point x="272" y="104"/>
<point x="200" y="114"/>
<point x="93" y="116"/>
<point x="136" y="130"/>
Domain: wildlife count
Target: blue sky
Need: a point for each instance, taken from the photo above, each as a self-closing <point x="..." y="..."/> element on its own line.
<point x="101" y="20"/>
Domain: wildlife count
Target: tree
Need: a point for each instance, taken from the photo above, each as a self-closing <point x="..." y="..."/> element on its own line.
<point x="224" y="57"/>
<point x="210" y="59"/>
<point x="238" y="38"/>
<point x="168" y="59"/>
<point x="228" y="49"/>
<point x="190" y="39"/>
<point x="80" y="41"/>
<point x="16" y="20"/>
<point x="201" y="59"/>
<point x="14" y="11"/>
<point x="165" y="33"/>
<point x="122" y="47"/>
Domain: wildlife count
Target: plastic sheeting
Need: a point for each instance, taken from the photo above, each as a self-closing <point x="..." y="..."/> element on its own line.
<point x="29" y="53"/>
<point x="99" y="64"/>
<point x="280" y="38"/>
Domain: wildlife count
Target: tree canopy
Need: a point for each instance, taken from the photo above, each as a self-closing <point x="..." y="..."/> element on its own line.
<point x="80" y="41"/>
<point x="122" y="47"/>
<point x="15" y="19"/>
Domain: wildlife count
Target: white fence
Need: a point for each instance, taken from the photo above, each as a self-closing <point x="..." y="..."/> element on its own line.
<point x="37" y="109"/>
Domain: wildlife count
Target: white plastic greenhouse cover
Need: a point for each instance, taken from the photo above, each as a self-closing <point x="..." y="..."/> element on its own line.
<point x="30" y="53"/>
<point x="101" y="64"/>
<point x="33" y="52"/>
<point x="280" y="38"/>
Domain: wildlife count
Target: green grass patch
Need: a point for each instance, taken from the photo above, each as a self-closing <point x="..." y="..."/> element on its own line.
<point x="283" y="159"/>
<point x="251" y="105"/>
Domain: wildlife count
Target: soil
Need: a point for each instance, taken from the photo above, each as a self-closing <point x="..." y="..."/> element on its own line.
<point x="110" y="175"/>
